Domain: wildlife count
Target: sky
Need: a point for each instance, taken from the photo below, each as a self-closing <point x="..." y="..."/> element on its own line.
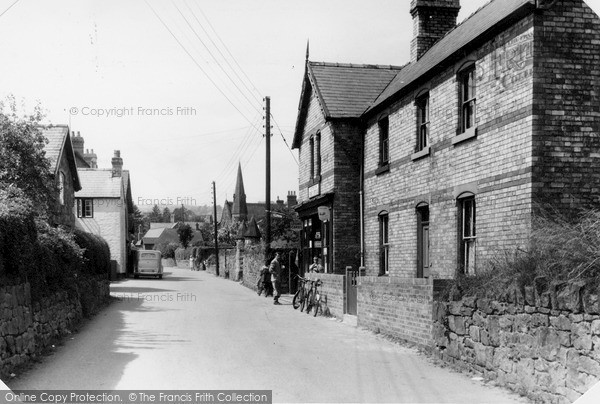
<point x="178" y="85"/>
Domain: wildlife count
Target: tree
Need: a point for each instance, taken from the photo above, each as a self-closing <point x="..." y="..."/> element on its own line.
<point x="137" y="219"/>
<point x="281" y="228"/>
<point x="227" y="233"/>
<point x="186" y="234"/>
<point x="166" y="215"/>
<point x="23" y="161"/>
<point x="155" y="216"/>
<point x="178" y="215"/>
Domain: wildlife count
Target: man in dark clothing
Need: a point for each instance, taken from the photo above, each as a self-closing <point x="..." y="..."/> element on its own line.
<point x="275" y="271"/>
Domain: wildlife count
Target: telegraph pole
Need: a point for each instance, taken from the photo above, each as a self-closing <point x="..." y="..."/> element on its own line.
<point x="268" y="173"/>
<point x="216" y="230"/>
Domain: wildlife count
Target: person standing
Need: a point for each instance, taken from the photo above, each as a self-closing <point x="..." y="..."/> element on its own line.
<point x="316" y="265"/>
<point x="275" y="271"/>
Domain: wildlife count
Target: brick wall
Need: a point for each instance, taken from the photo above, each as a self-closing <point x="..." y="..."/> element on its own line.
<point x="567" y="106"/>
<point x="332" y="292"/>
<point x="346" y="212"/>
<point x="542" y="342"/>
<point x="398" y="307"/>
<point x="495" y="165"/>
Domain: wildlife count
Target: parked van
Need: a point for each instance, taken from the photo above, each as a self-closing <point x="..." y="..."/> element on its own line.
<point x="148" y="264"/>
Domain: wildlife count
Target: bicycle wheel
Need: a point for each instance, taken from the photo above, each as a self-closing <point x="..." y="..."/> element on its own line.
<point x="309" y="301"/>
<point x="296" y="300"/>
<point x="303" y="300"/>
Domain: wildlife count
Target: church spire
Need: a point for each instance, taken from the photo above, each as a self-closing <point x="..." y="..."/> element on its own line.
<point x="240" y="209"/>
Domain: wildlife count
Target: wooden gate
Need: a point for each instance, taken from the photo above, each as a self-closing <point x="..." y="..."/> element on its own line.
<point x="351" y="290"/>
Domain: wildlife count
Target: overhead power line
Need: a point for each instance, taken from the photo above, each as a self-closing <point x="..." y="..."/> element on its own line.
<point x="214" y="58"/>
<point x="197" y="64"/>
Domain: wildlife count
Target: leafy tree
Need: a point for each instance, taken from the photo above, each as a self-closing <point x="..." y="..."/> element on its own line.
<point x="179" y="217"/>
<point x="155" y="216"/>
<point x="208" y="232"/>
<point x="137" y="219"/>
<point x="281" y="228"/>
<point x="23" y="161"/>
<point x="186" y="234"/>
<point x="227" y="233"/>
<point x="166" y="215"/>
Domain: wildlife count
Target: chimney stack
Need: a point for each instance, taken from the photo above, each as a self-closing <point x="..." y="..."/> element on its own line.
<point x="432" y="19"/>
<point x="117" y="164"/>
<point x="77" y="142"/>
<point x="292" y="200"/>
<point x="91" y="159"/>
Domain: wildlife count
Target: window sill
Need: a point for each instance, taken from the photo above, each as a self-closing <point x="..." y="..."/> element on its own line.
<point x="420" y="154"/>
<point x="382" y="169"/>
<point x="470" y="133"/>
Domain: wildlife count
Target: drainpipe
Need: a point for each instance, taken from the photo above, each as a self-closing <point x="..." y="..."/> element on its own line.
<point x="361" y="196"/>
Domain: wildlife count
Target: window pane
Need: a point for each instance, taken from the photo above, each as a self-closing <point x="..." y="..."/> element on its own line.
<point x="383" y="141"/>
<point x="425" y="242"/>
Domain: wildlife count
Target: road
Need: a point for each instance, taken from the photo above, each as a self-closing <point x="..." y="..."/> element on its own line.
<point x="191" y="330"/>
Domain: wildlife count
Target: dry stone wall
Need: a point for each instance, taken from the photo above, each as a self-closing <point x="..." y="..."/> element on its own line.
<point x="28" y="328"/>
<point x="542" y="341"/>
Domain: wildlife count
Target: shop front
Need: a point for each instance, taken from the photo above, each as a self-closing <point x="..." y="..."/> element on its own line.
<point x="316" y="239"/>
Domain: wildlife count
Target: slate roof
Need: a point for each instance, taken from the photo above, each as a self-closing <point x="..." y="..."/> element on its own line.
<point x="478" y="24"/>
<point x="99" y="183"/>
<point x="351" y="91"/>
<point x="346" y="90"/>
<point x="166" y="235"/>
<point x="59" y="144"/>
<point x="252" y="230"/>
<point x="152" y="235"/>
<point x="257" y="210"/>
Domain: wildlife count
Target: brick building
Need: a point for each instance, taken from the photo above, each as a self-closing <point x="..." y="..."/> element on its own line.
<point x="444" y="161"/>
<point x="328" y="136"/>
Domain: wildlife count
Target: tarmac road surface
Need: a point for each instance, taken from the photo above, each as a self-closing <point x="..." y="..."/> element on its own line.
<point x="192" y="330"/>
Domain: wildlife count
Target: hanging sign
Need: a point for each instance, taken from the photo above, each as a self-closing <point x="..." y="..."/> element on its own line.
<point x="324" y="213"/>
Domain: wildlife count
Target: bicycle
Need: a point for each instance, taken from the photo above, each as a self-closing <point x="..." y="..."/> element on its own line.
<point x="314" y="298"/>
<point x="299" y="299"/>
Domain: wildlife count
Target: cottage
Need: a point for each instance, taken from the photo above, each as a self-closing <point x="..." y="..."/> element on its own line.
<point x="103" y="205"/>
<point x="59" y="150"/>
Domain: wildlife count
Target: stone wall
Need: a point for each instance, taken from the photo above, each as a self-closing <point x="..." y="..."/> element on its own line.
<point x="332" y="292"/>
<point x="28" y="328"/>
<point x="542" y="341"/>
<point x="398" y="307"/>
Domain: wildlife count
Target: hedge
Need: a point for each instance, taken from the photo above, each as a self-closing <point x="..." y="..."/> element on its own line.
<point x="49" y="258"/>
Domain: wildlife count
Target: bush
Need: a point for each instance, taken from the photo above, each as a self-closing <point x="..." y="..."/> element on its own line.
<point x="560" y="249"/>
<point x="18" y="233"/>
<point x="96" y="256"/>
<point x="167" y="250"/>
<point x="59" y="257"/>
<point x="183" y="254"/>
